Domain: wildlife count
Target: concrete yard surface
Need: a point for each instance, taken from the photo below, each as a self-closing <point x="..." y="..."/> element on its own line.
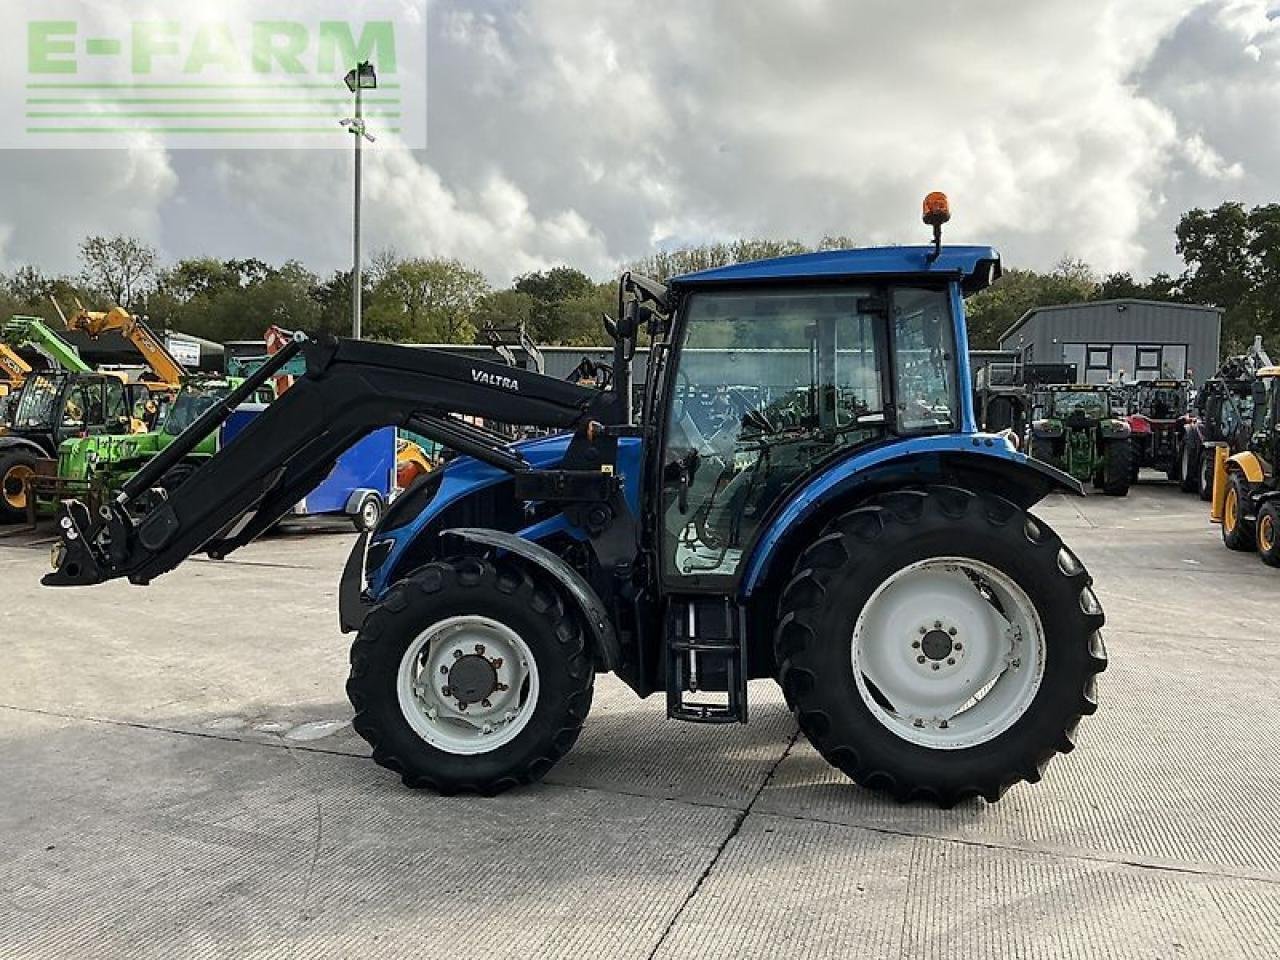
<point x="178" y="778"/>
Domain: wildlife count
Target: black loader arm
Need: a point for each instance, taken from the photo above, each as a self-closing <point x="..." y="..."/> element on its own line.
<point x="350" y="389"/>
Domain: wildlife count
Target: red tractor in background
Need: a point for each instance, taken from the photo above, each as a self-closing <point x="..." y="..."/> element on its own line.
<point x="1158" y="418"/>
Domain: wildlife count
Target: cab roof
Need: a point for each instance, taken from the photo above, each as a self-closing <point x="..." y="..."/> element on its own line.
<point x="975" y="267"/>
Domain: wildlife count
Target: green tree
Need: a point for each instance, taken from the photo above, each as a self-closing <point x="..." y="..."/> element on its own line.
<point x="122" y="267"/>
<point x="428" y="301"/>
<point x="1233" y="262"/>
<point x="551" y="290"/>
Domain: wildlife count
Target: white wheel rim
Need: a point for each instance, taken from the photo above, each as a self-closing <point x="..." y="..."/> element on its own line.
<point x="954" y="648"/>
<point x="430" y="704"/>
<point x="370" y="512"/>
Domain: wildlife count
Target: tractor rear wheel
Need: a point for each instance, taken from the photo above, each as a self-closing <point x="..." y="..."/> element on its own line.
<point x="1205" y="483"/>
<point x="1237" y="532"/>
<point x="1189" y="467"/>
<point x="1268" y="527"/>
<point x="1119" y="467"/>
<point x="1042" y="449"/>
<point x="16" y="468"/>
<point x="470" y="677"/>
<point x="939" y="644"/>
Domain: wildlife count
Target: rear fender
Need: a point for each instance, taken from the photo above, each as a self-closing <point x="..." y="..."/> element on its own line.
<point x="981" y="462"/>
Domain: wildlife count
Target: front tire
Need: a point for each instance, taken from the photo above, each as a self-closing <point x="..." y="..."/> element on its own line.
<point x="16" y="468"/>
<point x="1026" y="645"/>
<point x="1268" y="530"/>
<point x="1237" y="532"/>
<point x="469" y="677"/>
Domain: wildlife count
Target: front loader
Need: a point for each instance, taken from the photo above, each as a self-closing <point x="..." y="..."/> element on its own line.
<point x="843" y="527"/>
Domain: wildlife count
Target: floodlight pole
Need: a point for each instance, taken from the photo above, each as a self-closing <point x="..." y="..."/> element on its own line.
<point x="355" y="230"/>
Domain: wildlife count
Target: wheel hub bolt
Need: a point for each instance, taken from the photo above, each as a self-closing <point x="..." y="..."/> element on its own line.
<point x="935" y="665"/>
<point x="920" y="659"/>
<point x="951" y="630"/>
<point x="924" y="630"/>
<point x="457" y="654"/>
<point x="497" y="663"/>
<point x="951" y="661"/>
<point x="959" y="645"/>
<point x="937" y="624"/>
<point x="480" y="649"/>
<point x="500" y="687"/>
<point x="444" y="669"/>
<point x="462" y="705"/>
<point x="485" y="703"/>
<point x="915" y="644"/>
<point x="446" y="691"/>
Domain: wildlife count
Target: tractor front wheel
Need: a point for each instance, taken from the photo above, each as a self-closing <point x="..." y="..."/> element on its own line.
<point x="16" y="468"/>
<point x="1237" y="532"/>
<point x="470" y="677"/>
<point x="1268" y="526"/>
<point x="939" y="644"/>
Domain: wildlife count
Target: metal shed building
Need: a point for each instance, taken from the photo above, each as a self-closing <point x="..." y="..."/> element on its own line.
<point x="1110" y="339"/>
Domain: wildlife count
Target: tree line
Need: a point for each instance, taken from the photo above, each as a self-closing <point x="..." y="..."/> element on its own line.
<point x="1231" y="257"/>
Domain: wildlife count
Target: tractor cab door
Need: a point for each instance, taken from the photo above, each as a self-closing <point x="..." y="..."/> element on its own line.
<point x="1266" y="426"/>
<point x="766" y="385"/>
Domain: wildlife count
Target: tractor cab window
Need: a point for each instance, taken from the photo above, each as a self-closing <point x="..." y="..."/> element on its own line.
<point x="82" y="406"/>
<point x="767" y="385"/>
<point x="36" y="403"/>
<point x="924" y="354"/>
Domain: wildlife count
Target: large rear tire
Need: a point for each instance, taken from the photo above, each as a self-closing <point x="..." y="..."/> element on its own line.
<point x="16" y="468"/>
<point x="469" y="677"/>
<point x="931" y="598"/>
<point x="1237" y="532"/>
<point x="1119" y="467"/>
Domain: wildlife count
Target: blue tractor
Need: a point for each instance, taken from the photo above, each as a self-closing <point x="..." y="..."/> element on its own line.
<point x="804" y="496"/>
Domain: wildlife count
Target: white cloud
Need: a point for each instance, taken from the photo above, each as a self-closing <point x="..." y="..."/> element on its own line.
<point x="587" y="131"/>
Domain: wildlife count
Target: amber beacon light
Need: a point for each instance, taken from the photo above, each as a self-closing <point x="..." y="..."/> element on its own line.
<point x="937" y="211"/>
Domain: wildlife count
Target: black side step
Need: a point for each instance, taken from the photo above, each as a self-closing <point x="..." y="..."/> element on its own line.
<point x="706" y="654"/>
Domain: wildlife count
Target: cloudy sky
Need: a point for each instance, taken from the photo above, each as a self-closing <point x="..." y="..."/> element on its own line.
<point x="592" y="131"/>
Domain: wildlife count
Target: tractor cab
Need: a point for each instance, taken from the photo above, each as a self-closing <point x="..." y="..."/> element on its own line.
<point x="767" y="383"/>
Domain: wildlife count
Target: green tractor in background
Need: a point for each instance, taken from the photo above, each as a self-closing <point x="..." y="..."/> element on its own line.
<point x="1077" y="430"/>
<point x="106" y="462"/>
